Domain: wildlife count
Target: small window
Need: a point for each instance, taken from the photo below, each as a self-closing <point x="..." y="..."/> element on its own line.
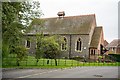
<point x="79" y="45"/>
<point x="113" y="49"/>
<point x="27" y="44"/>
<point x="64" y="45"/>
<point x="92" y="52"/>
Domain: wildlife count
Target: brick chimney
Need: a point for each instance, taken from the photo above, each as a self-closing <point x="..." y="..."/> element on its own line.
<point x="61" y="14"/>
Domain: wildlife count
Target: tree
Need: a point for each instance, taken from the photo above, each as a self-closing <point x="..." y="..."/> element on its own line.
<point x="12" y="39"/>
<point x="48" y="47"/>
<point x="30" y="10"/>
<point x="10" y="12"/>
<point x="9" y="15"/>
<point x="21" y="54"/>
<point x="52" y="47"/>
<point x="23" y="12"/>
<point x="16" y="17"/>
<point x="39" y="48"/>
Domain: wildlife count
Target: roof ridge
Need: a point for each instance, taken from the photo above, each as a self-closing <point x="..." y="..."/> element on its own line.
<point x="81" y="15"/>
<point x="70" y="16"/>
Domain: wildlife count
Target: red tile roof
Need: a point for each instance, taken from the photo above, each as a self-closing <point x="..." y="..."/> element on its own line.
<point x="114" y="43"/>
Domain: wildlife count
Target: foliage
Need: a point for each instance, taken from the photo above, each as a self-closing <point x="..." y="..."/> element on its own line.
<point x="30" y="11"/>
<point x="22" y="12"/>
<point x="37" y="21"/>
<point x="16" y="17"/>
<point x="39" y="48"/>
<point x="21" y="54"/>
<point x="10" y="11"/>
<point x="115" y="57"/>
<point x="62" y="63"/>
<point x="11" y="38"/>
<point x="100" y="57"/>
<point x="48" y="47"/>
<point x="51" y="47"/>
<point x="5" y="50"/>
<point x="13" y="33"/>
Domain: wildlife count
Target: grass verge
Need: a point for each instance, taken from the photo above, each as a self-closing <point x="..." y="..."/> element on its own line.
<point x="50" y="63"/>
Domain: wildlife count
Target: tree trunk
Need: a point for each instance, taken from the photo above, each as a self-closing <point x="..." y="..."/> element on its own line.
<point x="37" y="62"/>
<point x="17" y="63"/>
<point x="55" y="62"/>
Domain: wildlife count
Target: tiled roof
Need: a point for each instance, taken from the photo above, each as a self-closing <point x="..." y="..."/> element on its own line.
<point x="96" y="37"/>
<point x="114" y="43"/>
<point x="68" y="25"/>
<point x="105" y="43"/>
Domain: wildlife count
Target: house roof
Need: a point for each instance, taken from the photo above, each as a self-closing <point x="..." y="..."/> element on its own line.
<point x="96" y="37"/>
<point x="105" y="43"/>
<point x="114" y="43"/>
<point x="67" y="25"/>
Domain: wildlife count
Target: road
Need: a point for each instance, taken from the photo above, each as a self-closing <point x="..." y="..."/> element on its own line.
<point x="78" y="72"/>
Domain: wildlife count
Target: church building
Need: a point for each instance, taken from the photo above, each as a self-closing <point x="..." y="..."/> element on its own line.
<point x="81" y="34"/>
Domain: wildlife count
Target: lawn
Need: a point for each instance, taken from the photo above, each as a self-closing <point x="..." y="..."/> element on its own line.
<point x="30" y="62"/>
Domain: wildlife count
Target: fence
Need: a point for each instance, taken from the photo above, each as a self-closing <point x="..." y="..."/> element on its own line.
<point x="31" y="61"/>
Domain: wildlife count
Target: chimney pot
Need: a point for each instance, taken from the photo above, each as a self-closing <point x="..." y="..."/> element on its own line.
<point x="61" y="13"/>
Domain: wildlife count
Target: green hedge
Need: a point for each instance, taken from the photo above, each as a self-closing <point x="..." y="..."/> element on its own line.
<point x="116" y="56"/>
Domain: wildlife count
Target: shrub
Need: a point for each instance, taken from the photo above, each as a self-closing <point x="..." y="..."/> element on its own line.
<point x="21" y="54"/>
<point x="116" y="57"/>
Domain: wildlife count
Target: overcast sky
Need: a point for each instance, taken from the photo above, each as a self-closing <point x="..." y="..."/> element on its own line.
<point x="106" y="12"/>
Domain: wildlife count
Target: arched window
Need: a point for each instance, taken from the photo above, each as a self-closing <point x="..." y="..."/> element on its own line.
<point x="64" y="44"/>
<point x="92" y="51"/>
<point x="79" y="45"/>
<point x="27" y="43"/>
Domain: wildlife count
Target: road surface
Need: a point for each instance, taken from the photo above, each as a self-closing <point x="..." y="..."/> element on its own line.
<point x="78" y="72"/>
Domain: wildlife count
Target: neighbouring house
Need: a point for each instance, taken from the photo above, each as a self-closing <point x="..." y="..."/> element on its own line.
<point x="105" y="43"/>
<point x="114" y="47"/>
<point x="81" y="34"/>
